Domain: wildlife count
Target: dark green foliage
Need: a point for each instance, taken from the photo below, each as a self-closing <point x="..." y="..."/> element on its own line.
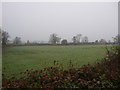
<point x="64" y="42"/>
<point x="103" y="75"/>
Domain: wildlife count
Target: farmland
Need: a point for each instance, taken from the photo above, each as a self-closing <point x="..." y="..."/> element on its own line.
<point x="20" y="58"/>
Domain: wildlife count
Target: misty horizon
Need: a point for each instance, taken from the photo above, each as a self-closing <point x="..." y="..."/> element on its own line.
<point x="36" y="21"/>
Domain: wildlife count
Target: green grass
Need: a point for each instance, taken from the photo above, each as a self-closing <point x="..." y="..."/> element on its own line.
<point x="20" y="58"/>
<point x="0" y="66"/>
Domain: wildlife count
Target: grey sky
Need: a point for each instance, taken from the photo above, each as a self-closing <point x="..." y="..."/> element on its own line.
<point x="36" y="21"/>
<point x="0" y="14"/>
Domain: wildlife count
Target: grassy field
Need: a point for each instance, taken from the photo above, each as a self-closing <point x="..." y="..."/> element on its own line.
<point x="20" y="58"/>
<point x="0" y="66"/>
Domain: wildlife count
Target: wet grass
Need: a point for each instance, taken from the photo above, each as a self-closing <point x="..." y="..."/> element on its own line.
<point x="20" y="58"/>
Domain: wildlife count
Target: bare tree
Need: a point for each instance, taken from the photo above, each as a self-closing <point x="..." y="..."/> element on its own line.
<point x="5" y="37"/>
<point x="96" y="41"/>
<point x="85" y="39"/>
<point x="78" y="37"/>
<point x="17" y="40"/>
<point x="116" y="39"/>
<point x="102" y="41"/>
<point x="54" y="39"/>
<point x="74" y="39"/>
<point x="28" y="42"/>
<point x="109" y="41"/>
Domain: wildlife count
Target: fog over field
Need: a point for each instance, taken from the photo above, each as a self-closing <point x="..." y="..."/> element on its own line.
<point x="35" y="21"/>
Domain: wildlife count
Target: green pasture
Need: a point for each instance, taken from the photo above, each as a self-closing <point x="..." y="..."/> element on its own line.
<point x="20" y="58"/>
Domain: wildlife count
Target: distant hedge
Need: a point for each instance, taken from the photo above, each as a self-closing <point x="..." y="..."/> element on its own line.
<point x="67" y="44"/>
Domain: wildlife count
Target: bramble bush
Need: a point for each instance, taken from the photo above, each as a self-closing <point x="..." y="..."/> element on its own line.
<point x="105" y="74"/>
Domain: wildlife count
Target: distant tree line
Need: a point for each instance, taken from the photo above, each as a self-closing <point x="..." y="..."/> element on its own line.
<point x="78" y="39"/>
<point x="54" y="39"/>
<point x="4" y="38"/>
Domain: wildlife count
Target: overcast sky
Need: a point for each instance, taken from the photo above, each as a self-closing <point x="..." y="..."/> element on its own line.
<point x="36" y="21"/>
<point x="0" y="14"/>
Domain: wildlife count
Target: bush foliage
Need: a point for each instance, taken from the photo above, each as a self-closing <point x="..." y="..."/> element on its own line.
<point x="105" y="74"/>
